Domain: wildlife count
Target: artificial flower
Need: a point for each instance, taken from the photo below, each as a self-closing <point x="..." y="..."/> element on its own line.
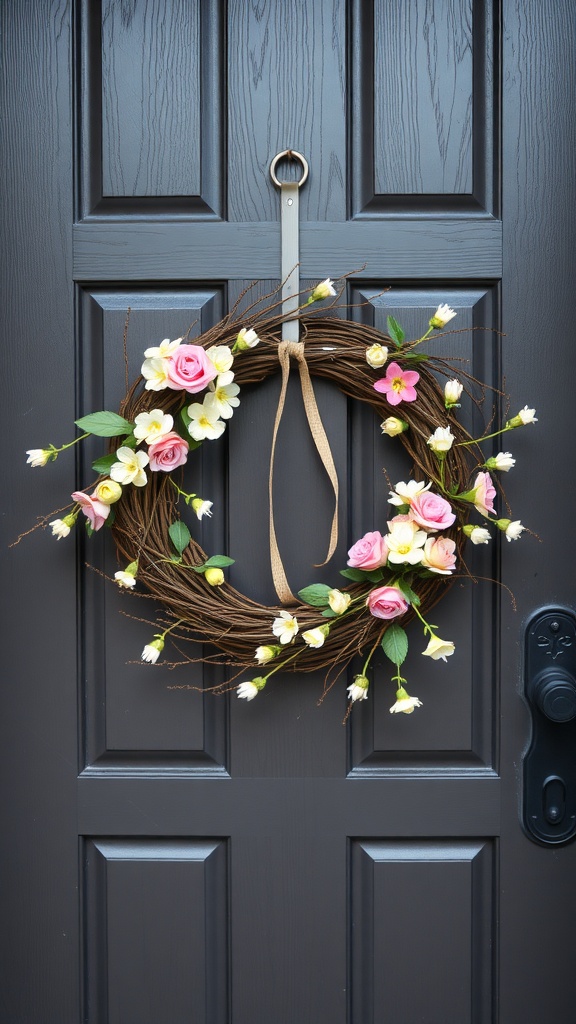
<point x="370" y="552"/>
<point x="442" y="316"/>
<point x="285" y="627"/>
<point x="223" y="395"/>
<point x="477" y="534"/>
<point x="358" y="690"/>
<point x="204" y="422"/>
<point x="512" y="530"/>
<point x="155" y="373"/>
<point x="431" y="511"/>
<point x="152" y="651"/>
<point x="441" y="440"/>
<point x="95" y="511"/>
<point x="130" y="467"/>
<point x="168" y="452"/>
<point x="405" y="704"/>
<point x="151" y="426"/>
<point x="502" y="462"/>
<point x="439" y="555"/>
<point x="214" y="576"/>
<point x="338" y="601"/>
<point x="61" y="527"/>
<point x="406" y="492"/>
<point x="438" y="648"/>
<point x="266" y="653"/>
<point x="127" y="577"/>
<point x="452" y="392"/>
<point x="386" y="603"/>
<point x="376" y="356"/>
<point x="405" y="542"/>
<point x="247" y="691"/>
<point x="190" y="369"/>
<point x="245" y="339"/>
<point x="524" y="417"/>
<point x="393" y="426"/>
<point x="324" y="290"/>
<point x="163" y="350"/>
<point x="221" y="356"/>
<point x="316" y="637"/>
<point x="107" y="491"/>
<point x="482" y="494"/>
<point x="201" y="508"/>
<point x="398" y="384"/>
<point x="38" y="457"/>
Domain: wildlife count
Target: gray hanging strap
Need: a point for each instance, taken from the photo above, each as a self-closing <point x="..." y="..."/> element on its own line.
<point x="290" y="240"/>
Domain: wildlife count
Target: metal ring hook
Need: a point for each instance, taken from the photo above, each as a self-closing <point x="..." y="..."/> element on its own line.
<point x="290" y="154"/>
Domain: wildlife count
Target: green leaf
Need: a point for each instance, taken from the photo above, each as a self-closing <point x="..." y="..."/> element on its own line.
<point x="89" y="529"/>
<point x="358" y="575"/>
<point x="104" y="424"/>
<point x="218" y="562"/>
<point x="329" y="614"/>
<point x="409" y="594"/>
<point x="179" y="535"/>
<point x="395" y="644"/>
<point x="415" y="357"/>
<point x="104" y="464"/>
<point x="177" y="559"/>
<point x="395" y="331"/>
<point x="316" y="595"/>
<point x="375" y="575"/>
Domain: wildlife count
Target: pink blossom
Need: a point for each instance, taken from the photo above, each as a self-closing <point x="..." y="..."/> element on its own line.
<point x="386" y="603"/>
<point x="189" y="369"/>
<point x="484" y="493"/>
<point x="431" y="511"/>
<point x="439" y="555"/>
<point x="95" y="511"/>
<point x="398" y="384"/>
<point x="168" y="453"/>
<point x="369" y="552"/>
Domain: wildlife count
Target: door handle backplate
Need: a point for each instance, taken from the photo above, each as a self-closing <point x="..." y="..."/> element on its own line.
<point x="549" y="798"/>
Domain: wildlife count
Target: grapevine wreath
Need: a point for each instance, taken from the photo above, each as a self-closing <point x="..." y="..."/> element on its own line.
<point x="186" y="395"/>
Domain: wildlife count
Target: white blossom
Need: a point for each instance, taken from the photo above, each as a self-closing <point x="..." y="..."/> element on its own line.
<point x="130" y="467"/>
<point x="201" y="508"/>
<point x="222" y="395"/>
<point x="441" y="440"/>
<point x="151" y="426"/>
<point x="285" y="627"/>
<point x="221" y="356"/>
<point x="163" y="350"/>
<point x="406" y="492"/>
<point x="438" y="648"/>
<point x="204" y="422"/>
<point x="376" y="356"/>
<point x="442" y="316"/>
<point x="247" y="691"/>
<point x="358" y="690"/>
<point x="452" y="392"/>
<point x="38" y="457"/>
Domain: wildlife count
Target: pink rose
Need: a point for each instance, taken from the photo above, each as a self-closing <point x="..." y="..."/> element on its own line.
<point x="485" y="492"/>
<point x="386" y="603"/>
<point x="95" y="511"/>
<point x="368" y="553"/>
<point x="168" y="452"/>
<point x="431" y="511"/>
<point x="190" y="369"/>
<point x="439" y="555"/>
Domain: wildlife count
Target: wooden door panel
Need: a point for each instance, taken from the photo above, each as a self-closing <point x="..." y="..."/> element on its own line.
<point x="423" y="106"/>
<point x="409" y="961"/>
<point x="152" y="128"/>
<point x="168" y="728"/>
<point x="155" y="931"/>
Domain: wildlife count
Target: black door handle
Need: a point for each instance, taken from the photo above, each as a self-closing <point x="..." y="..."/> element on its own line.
<point x="549" y="798"/>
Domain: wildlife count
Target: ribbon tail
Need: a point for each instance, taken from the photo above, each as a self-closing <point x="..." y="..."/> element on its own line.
<point x="279" y="578"/>
<point x="323" y="449"/>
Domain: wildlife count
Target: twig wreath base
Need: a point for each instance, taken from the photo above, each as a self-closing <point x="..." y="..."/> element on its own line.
<point x="390" y="579"/>
<point x="335" y="350"/>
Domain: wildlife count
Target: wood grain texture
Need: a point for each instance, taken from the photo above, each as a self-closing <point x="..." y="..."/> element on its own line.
<point x="40" y="941"/>
<point x="423" y="97"/>
<point x="401" y="249"/>
<point x="151" y="98"/>
<point x="286" y="79"/>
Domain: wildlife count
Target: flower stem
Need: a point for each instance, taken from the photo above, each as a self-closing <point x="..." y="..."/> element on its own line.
<point x="376" y="645"/>
<point x="486" y="437"/>
<point x="427" y="627"/>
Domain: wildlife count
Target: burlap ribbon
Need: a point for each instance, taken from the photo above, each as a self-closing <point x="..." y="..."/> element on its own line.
<point x="286" y="349"/>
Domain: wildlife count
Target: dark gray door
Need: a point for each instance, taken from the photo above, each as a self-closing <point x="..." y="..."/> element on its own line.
<point x="171" y="857"/>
